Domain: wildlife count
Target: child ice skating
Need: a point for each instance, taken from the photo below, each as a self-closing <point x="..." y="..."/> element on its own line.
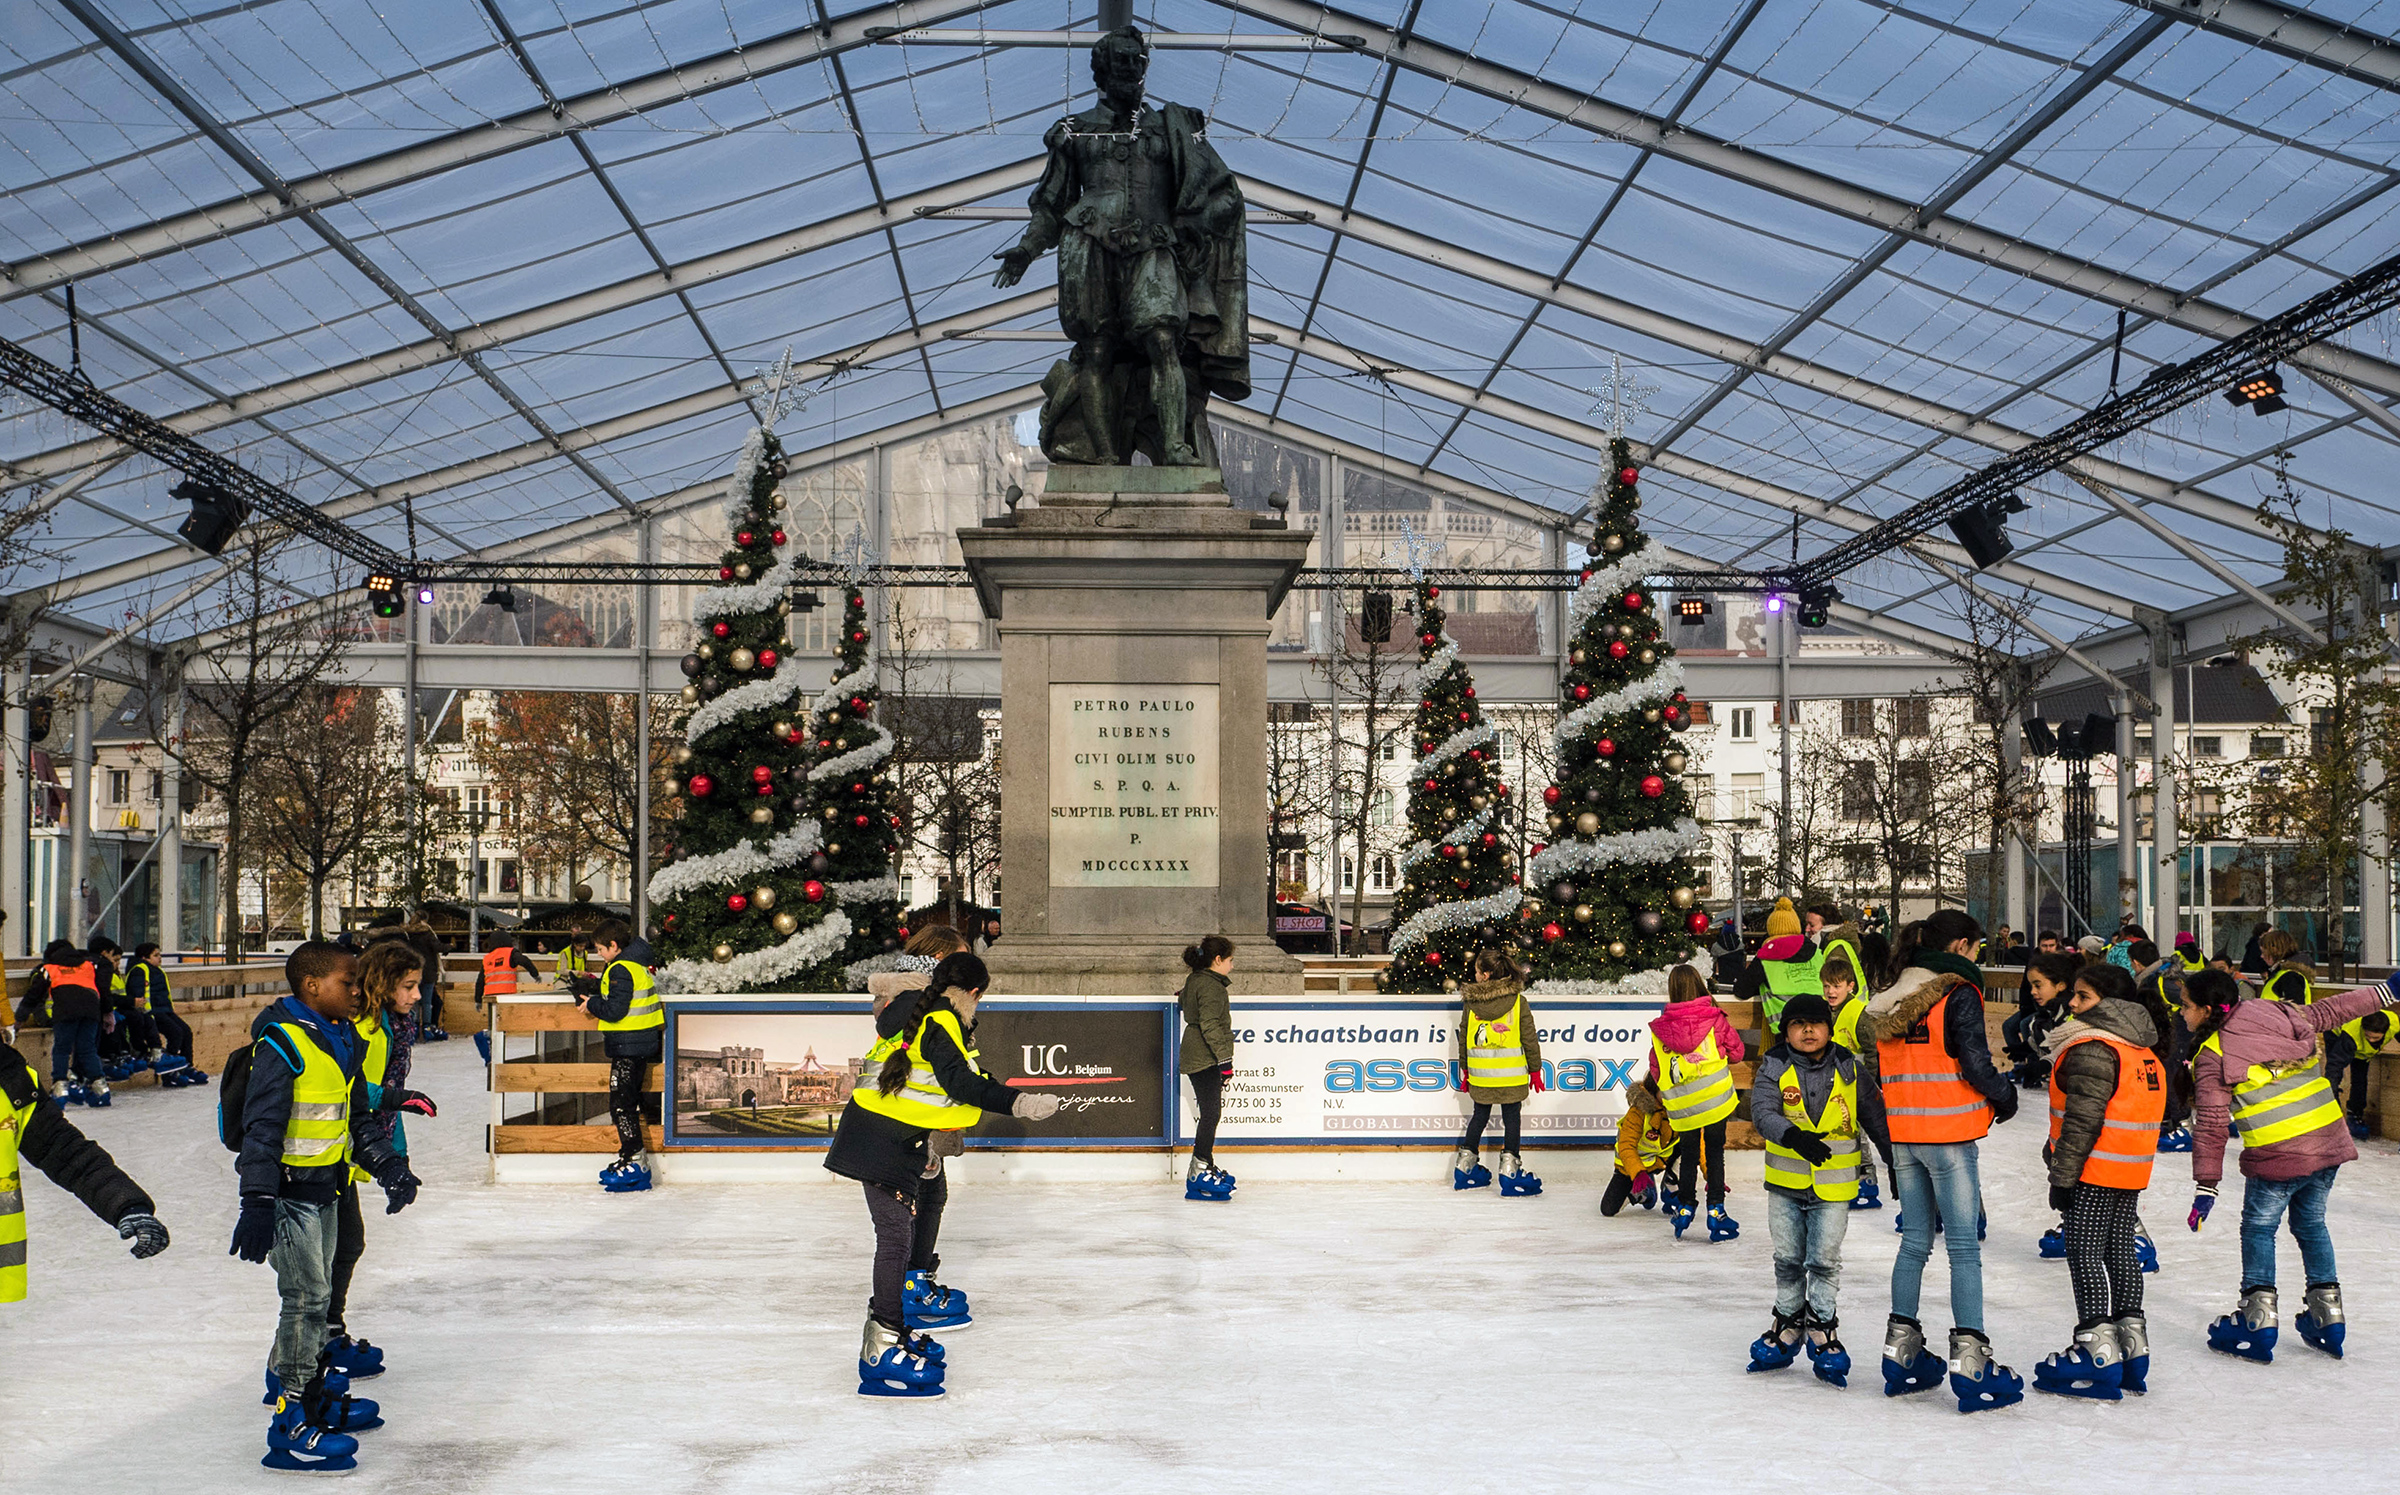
<point x="924" y="1301"/>
<point x="1646" y="1143"/>
<point x="2107" y="1093"/>
<point x="1846" y="998"/>
<point x="35" y="1129"/>
<point x="2255" y="1073"/>
<point x="389" y="992"/>
<point x="1207" y="1059"/>
<point x="1501" y="1056"/>
<point x="920" y="1079"/>
<point x="1693" y="1049"/>
<point x="67" y="988"/>
<point x="1815" y="1112"/>
<point x="633" y="1023"/>
<point x="146" y="983"/>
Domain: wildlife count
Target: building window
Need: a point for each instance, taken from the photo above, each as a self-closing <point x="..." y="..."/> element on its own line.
<point x="1391" y="747"/>
<point x="508" y="874"/>
<point x="120" y="785"/>
<point x="1858" y="718"/>
<point x="1749" y="796"/>
<point x="1349" y="874"/>
<point x="1291" y="873"/>
<point x="2208" y="747"/>
<point x="1381" y="874"/>
<point x="158" y="786"/>
<point x="1858" y="791"/>
<point x="1381" y="811"/>
<point x="1744" y="724"/>
<point x="1915" y="715"/>
<point x="2264" y="746"/>
<point x="2143" y="743"/>
<point x="908" y="890"/>
<point x="1508" y="743"/>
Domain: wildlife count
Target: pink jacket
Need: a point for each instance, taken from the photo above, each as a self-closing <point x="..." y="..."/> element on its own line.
<point x="2259" y="1031"/>
<point x="1682" y="1025"/>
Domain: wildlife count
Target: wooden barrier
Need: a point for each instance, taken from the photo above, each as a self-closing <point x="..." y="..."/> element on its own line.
<point x="219" y="1002"/>
<point x="541" y="1019"/>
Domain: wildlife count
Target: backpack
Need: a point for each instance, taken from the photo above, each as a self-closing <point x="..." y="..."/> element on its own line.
<point x="233" y="1093"/>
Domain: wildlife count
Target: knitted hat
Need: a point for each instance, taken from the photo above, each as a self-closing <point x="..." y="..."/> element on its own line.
<point x="1782" y="920"/>
<point x="1807" y="1007"/>
<point x="2092" y="944"/>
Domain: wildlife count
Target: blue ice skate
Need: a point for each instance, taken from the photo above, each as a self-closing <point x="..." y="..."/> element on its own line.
<point x="1681" y="1214"/>
<point x="1907" y="1365"/>
<point x="297" y="1446"/>
<point x="353" y="1358"/>
<point x="2145" y="1251"/>
<point x="1869" y="1196"/>
<point x="1515" y="1182"/>
<point x="889" y="1365"/>
<point x="2320" y="1318"/>
<point x="483" y="1045"/>
<point x="1205" y="1181"/>
<point x="1780" y="1345"/>
<point x="1467" y="1170"/>
<point x="1722" y="1226"/>
<point x="96" y="1094"/>
<point x="1981" y="1383"/>
<point x="2092" y="1367"/>
<point x="2177" y="1138"/>
<point x="1826" y="1356"/>
<point x="2248" y="1331"/>
<point x="625" y="1176"/>
<point x="2054" y="1243"/>
<point x="926" y="1304"/>
<point x="328" y="1402"/>
<point x="2133" y="1337"/>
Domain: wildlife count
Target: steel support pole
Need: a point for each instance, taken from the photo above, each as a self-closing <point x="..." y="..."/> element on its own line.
<point x="169" y="876"/>
<point x="1784" y="642"/>
<point x="16" y="811"/>
<point x="2166" y="872"/>
<point x="79" y="818"/>
<point x="2128" y="879"/>
<point x="2012" y="858"/>
<point x="412" y="880"/>
<point x="647" y="603"/>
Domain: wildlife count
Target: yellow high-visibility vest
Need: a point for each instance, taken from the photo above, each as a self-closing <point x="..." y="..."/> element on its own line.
<point x="2277" y="1102"/>
<point x="373" y="1068"/>
<point x="317" y="1135"/>
<point x="1835" y="1179"/>
<point x="1697" y="1087"/>
<point x="13" y="1121"/>
<point x="647" y="1010"/>
<point x="920" y="1100"/>
<point x="1496" y="1049"/>
<point x="1786" y="979"/>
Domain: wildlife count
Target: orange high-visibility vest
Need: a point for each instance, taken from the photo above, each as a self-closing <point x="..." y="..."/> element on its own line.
<point x="2128" y="1144"/>
<point x="499" y="976"/>
<point x="1925" y="1098"/>
<point x="84" y="974"/>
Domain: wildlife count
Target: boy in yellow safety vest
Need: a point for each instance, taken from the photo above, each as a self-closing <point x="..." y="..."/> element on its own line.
<point x="299" y="1135"/>
<point x="633" y="1025"/>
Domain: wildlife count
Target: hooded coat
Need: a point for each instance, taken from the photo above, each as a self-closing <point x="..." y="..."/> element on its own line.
<point x="2087" y="1079"/>
<point x="1912" y="997"/>
<point x="1490" y="1001"/>
<point x="1682" y="1025"/>
<point x="2261" y="1031"/>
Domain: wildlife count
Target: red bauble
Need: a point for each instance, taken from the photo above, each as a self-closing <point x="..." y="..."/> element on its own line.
<point x="1617" y="649"/>
<point x="1539" y="847"/>
<point x="1696" y="922"/>
<point x="1501" y="790"/>
<point x="813" y="891"/>
<point x="1433" y="957"/>
<point x="1551" y="796"/>
<point x="857" y="600"/>
<point x="669" y="922"/>
<point x="737" y="901"/>
<point x="767" y="659"/>
<point x="1671" y="712"/>
<point x="778" y="536"/>
<point x="858" y="638"/>
<point x="721" y="628"/>
<point x="862" y="821"/>
<point x="1433" y="591"/>
<point x="1466" y="716"/>
<point x="1634" y="600"/>
<point x="1583" y="692"/>
<point x="1431" y="786"/>
<point x="904" y="931"/>
<point x="858" y="703"/>
<point x="766" y="788"/>
<point x="1470" y="692"/>
<point x="1490" y="840"/>
<point x="761" y="774"/>
<point x="1553" y="932"/>
<point x="701" y="785"/>
<point x="724" y="573"/>
<point x="744" y="538"/>
<point x="795" y="737"/>
<point x="1606" y="747"/>
<point x="1653" y="786"/>
<point x="1587" y="573"/>
<point x="1629" y="475"/>
<point x="858" y="788"/>
<point x="1428" y="639"/>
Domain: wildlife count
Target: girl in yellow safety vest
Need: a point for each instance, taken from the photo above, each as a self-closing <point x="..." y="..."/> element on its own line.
<point x="389" y="990"/>
<point x="1500" y="1059"/>
<point x="2254" y="1073"/>
<point x="919" y="1078"/>
<point x="1693" y="1049"/>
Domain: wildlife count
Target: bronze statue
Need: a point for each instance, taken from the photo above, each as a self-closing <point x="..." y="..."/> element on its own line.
<point x="1153" y="273"/>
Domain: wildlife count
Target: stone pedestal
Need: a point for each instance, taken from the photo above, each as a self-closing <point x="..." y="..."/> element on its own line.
<point x="1133" y="607"/>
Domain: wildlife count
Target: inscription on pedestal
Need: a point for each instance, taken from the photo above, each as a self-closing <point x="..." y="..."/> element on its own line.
<point x="1133" y="786"/>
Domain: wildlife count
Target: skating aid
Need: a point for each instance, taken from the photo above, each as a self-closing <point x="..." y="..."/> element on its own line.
<point x="1682" y="1216"/>
<point x="1869" y="1196"/>
<point x="1780" y="1345"/>
<point x="1515" y="1182"/>
<point x="1467" y="1170"/>
<point x="1981" y="1383"/>
<point x="2175" y="1139"/>
<point x="1907" y="1365"/>
<point x="352" y="1358"/>
<point x="1826" y="1356"/>
<point x="2054" y="1243"/>
<point x="2249" y="1331"/>
<point x="2320" y="1318"/>
<point x="926" y="1304"/>
<point x="2092" y="1367"/>
<point x="2145" y="1251"/>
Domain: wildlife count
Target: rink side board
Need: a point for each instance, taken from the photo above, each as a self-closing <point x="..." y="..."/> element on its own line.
<point x="773" y="1074"/>
<point x="1384" y="1073"/>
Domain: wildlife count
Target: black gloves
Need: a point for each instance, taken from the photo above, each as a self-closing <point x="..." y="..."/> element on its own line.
<point x="1809" y="1145"/>
<point x="414" y="1102"/>
<point x="254" y="1232"/>
<point x="399" y="1190"/>
<point x="1225" y="1070"/>
<point x="2062" y="1197"/>
<point x="149" y="1237"/>
<point x="2005" y="1108"/>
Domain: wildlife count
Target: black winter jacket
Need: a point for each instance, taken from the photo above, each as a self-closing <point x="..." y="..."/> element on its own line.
<point x="267" y="1109"/>
<point x="616" y="999"/>
<point x="877" y="1149"/>
<point x="144" y="978"/>
<point x="72" y="1160"/>
<point x="68" y="1004"/>
<point x="2086" y="1078"/>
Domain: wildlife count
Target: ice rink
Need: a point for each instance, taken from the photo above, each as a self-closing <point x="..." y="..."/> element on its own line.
<point x="1306" y="1337"/>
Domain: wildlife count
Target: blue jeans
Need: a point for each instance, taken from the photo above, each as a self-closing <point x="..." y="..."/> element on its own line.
<point x="1937" y="1181"/>
<point x="1808" y="1251"/>
<point x="306" y="1236"/>
<point x="75" y="1041"/>
<point x="2265" y="1203"/>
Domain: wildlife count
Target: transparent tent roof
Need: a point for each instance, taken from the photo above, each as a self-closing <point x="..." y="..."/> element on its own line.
<point x="513" y="267"/>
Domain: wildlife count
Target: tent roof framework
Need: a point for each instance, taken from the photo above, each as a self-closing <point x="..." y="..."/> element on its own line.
<point x="508" y="271"/>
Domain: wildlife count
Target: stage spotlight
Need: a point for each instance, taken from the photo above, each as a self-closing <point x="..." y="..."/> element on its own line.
<point x="806" y="602"/>
<point x="1691" y="607"/>
<point x="1375" y="618"/>
<point x="216" y="514"/>
<point x="1774" y="603"/>
<point x="501" y="597"/>
<point x="383" y="596"/>
<point x="2040" y="741"/>
<point x="1816" y="605"/>
<point x="424" y="594"/>
<point x="2262" y="392"/>
<point x="1983" y="532"/>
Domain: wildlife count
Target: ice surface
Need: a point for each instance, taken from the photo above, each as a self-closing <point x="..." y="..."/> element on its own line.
<point x="1321" y="1337"/>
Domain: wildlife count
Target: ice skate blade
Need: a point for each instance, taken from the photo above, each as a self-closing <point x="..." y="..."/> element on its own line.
<point x="1990" y="1395"/>
<point x="2329" y="1339"/>
<point x="1866" y="1204"/>
<point x="1519" y="1191"/>
<point x="288" y="1463"/>
<point x="1838" y="1378"/>
<point x="1766" y="1354"/>
<point x="2257" y="1346"/>
<point x="947" y="1323"/>
<point x="2099" y="1385"/>
<point x="1480" y="1178"/>
<point x="1925" y="1375"/>
<point x="900" y="1388"/>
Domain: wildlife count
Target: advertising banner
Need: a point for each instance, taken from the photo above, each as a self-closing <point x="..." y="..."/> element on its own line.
<point x="777" y="1074"/>
<point x="1377" y="1073"/>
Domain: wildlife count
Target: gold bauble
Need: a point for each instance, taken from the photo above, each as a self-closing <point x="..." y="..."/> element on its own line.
<point x="1449" y="813"/>
<point x="1648" y="656"/>
<point x="1574" y="656"/>
<point x="1610" y="543"/>
<point x="1616" y="949"/>
<point x="706" y="651"/>
<point x="683" y="752"/>
<point x="1587" y="824"/>
<point x="722" y="954"/>
<point x="787" y="922"/>
<point x="841" y="742"/>
<point x="762" y="816"/>
<point x="831" y="812"/>
<point x="690" y="694"/>
<point x="781" y="729"/>
<point x="1583" y="913"/>
<point x="1508" y="859"/>
<point x="775" y="501"/>
<point x="833" y="848"/>
<point x="1651" y="715"/>
<point x="1624" y="630"/>
<point x="783" y="609"/>
<point x="741" y="571"/>
<point x="1681" y="897"/>
<point x="1555" y="821"/>
<point x="741" y="659"/>
<point x="762" y="897"/>
<point x="1478" y="800"/>
<point x="1674" y="762"/>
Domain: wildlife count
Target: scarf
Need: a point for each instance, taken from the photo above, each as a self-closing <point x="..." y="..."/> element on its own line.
<point x="1943" y="963"/>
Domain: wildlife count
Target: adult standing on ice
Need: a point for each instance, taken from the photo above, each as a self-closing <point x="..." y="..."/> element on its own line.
<point x="2255" y="1072"/>
<point x="1207" y="1058"/>
<point x="1940" y="1096"/>
<point x="922" y="1079"/>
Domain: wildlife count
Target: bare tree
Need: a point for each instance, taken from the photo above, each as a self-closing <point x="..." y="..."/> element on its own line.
<point x="1369" y="723"/>
<point x="1900" y="789"/>
<point x="323" y="791"/>
<point x="1299" y="786"/>
<point x="263" y="658"/>
<point x="1998" y="677"/>
<point x="568" y="765"/>
<point x="945" y="760"/>
<point x="1812" y="824"/>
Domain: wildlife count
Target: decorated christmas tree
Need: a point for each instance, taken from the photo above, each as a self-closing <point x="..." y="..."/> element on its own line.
<point x="1611" y="893"/>
<point x="853" y="797"/>
<point x="744" y="904"/>
<point x="1458" y="886"/>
